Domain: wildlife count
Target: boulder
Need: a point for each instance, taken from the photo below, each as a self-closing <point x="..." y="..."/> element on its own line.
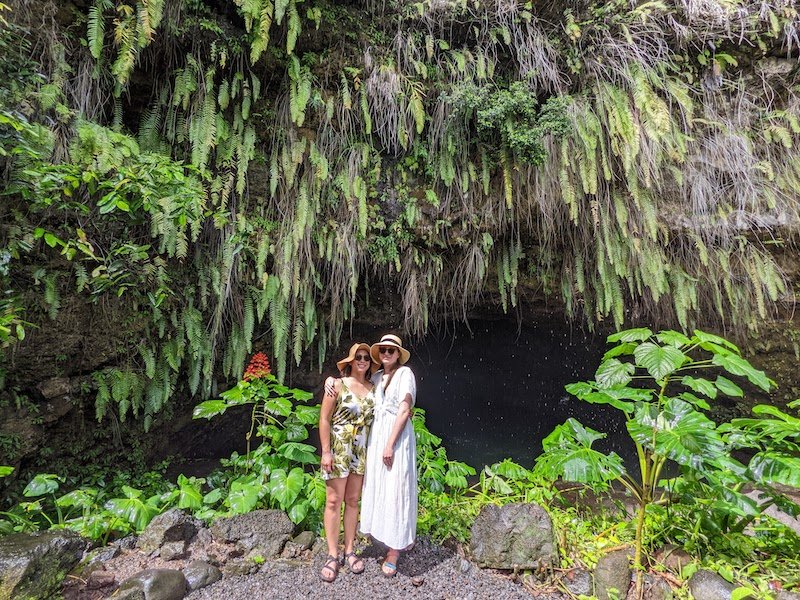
<point x="173" y="550"/>
<point x="200" y="574"/>
<point x="707" y="585"/>
<point x="513" y="536"/>
<point x="171" y="526"/>
<point x="153" y="584"/>
<point x="672" y="557"/>
<point x="298" y="544"/>
<point x="239" y="568"/>
<point x="100" y="578"/>
<point x="655" y="588"/>
<point x="578" y="582"/>
<point x="782" y="595"/>
<point x="32" y="566"/>
<point x="101" y="555"/>
<point x="261" y="532"/>
<point x="613" y="572"/>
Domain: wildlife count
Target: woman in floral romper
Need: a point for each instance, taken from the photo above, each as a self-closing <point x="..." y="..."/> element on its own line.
<point x="345" y="418"/>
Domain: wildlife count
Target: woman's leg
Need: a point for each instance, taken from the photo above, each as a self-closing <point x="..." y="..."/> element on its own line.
<point x="352" y="494"/>
<point x="334" y="494"/>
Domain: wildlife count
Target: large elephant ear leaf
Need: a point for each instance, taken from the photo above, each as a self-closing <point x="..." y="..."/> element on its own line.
<point x="568" y="455"/>
<point x="613" y="373"/>
<point x="678" y="432"/>
<point x="776" y="467"/>
<point x="659" y="361"/>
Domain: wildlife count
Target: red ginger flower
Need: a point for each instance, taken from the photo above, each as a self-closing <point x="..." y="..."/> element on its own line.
<point x="258" y="367"/>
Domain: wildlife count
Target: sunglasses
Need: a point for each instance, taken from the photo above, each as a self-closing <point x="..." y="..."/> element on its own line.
<point x="388" y="350"/>
<point x="362" y="357"/>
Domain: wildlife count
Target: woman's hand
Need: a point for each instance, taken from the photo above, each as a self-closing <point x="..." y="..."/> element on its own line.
<point x="330" y="386"/>
<point x="327" y="462"/>
<point x="388" y="456"/>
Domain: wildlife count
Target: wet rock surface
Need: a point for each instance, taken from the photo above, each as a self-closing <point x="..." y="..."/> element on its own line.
<point x="612" y="577"/>
<point x="261" y="532"/>
<point x="706" y="585"/>
<point x="199" y="574"/>
<point x="154" y="584"/>
<point x="167" y="528"/>
<point x="32" y="566"/>
<point x="513" y="536"/>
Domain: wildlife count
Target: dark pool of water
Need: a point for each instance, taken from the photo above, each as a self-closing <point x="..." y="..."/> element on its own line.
<point x="496" y="389"/>
<point x="491" y="391"/>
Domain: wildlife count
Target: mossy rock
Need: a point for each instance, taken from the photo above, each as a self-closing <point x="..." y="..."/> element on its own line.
<point x="32" y="566"/>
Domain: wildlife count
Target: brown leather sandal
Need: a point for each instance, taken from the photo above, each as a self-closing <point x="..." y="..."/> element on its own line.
<point x="333" y="570"/>
<point x="356" y="566"/>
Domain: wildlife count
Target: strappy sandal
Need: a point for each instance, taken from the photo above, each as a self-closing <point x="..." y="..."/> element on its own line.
<point x="334" y="570"/>
<point x="392" y="569"/>
<point x="352" y="565"/>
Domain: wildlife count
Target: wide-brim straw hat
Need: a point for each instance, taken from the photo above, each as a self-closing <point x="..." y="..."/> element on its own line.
<point x="352" y="356"/>
<point x="390" y="340"/>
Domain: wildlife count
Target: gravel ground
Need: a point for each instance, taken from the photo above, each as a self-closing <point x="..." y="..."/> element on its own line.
<point x="439" y="573"/>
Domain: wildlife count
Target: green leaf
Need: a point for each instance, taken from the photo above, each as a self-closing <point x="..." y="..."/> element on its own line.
<point x="673" y="338"/>
<point x="776" y="467"/>
<point x="213" y="496"/>
<point x="307" y="415"/>
<point x="6" y="471"/>
<point x="605" y="397"/>
<point x="189" y="495"/>
<point x="285" y="488"/>
<point x="298" y="512"/>
<point x="695" y="401"/>
<point x="613" y="373"/>
<point x="742" y="592"/>
<point x="295" y="431"/>
<point x="659" y="361"/>
<point x="209" y="408"/>
<point x="630" y="335"/>
<point x="736" y="365"/>
<point x="244" y="494"/>
<point x="278" y="406"/>
<point x="700" y="385"/>
<point x="302" y="453"/>
<point x="568" y="454"/>
<point x="132" y="510"/>
<point x="80" y="498"/>
<point x="678" y="431"/>
<point x="41" y="484"/>
<point x="727" y="387"/>
<point x="716" y="340"/>
<point x="620" y="350"/>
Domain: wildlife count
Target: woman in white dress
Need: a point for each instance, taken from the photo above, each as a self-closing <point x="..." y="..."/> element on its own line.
<point x="389" y="497"/>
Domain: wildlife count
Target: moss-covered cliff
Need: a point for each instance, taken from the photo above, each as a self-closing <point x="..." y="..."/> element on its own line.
<point x="185" y="177"/>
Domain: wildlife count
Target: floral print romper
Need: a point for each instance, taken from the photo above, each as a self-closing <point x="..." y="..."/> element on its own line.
<point x="350" y="425"/>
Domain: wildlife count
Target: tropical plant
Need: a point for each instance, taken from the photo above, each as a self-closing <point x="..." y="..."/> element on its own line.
<point x="659" y="383"/>
<point x="275" y="472"/>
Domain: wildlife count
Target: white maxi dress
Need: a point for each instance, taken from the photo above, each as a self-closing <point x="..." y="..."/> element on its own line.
<point x="389" y="496"/>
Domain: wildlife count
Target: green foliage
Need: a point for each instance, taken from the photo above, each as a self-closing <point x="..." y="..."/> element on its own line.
<point x="646" y="376"/>
<point x="265" y="168"/>
<point x="273" y="474"/>
<point x="510" y="119"/>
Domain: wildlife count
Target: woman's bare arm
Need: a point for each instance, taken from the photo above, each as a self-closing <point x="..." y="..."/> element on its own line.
<point x="325" y="414"/>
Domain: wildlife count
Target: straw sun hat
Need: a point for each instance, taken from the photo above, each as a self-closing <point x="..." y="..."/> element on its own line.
<point x="390" y="340"/>
<point x="351" y="357"/>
